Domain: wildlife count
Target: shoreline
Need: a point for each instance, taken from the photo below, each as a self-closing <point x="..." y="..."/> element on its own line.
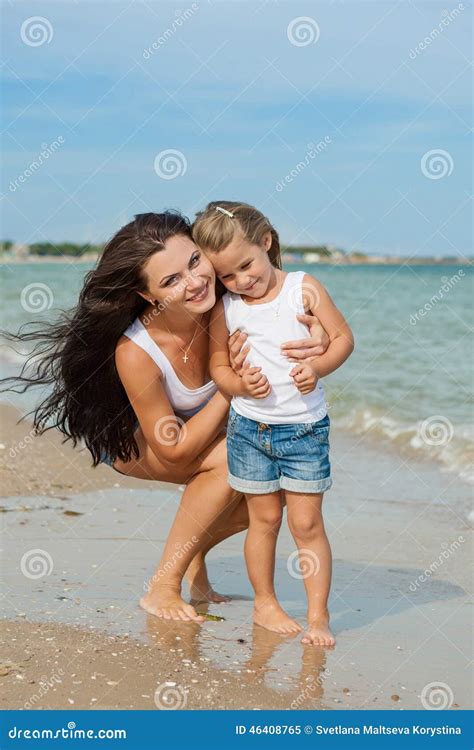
<point x="368" y="261"/>
<point x="399" y="600"/>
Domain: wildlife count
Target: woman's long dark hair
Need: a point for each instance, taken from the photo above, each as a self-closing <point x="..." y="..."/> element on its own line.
<point x="75" y="356"/>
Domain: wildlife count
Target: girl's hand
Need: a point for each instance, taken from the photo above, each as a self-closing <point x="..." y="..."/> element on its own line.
<point x="255" y="383"/>
<point x="307" y="349"/>
<point x="238" y="351"/>
<point x="304" y="378"/>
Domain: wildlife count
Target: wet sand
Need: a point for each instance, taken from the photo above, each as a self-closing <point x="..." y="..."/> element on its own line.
<point x="76" y="637"/>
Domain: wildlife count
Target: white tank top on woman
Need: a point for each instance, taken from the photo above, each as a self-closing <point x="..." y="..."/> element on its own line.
<point x="185" y="401"/>
<point x="268" y="325"/>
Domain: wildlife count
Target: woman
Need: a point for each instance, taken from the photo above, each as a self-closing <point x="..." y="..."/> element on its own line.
<point x="128" y="371"/>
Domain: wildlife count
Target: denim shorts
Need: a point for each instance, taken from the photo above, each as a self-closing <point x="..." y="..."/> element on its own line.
<point x="105" y="459"/>
<point x="265" y="458"/>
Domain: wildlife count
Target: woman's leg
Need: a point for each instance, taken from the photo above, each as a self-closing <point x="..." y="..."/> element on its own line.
<point x="265" y="515"/>
<point x="199" y="522"/>
<point x="231" y="523"/>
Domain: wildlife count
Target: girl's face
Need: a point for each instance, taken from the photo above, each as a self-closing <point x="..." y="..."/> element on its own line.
<point x="180" y="277"/>
<point x="244" y="268"/>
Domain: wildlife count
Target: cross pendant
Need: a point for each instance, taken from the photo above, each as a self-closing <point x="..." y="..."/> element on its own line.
<point x="185" y="358"/>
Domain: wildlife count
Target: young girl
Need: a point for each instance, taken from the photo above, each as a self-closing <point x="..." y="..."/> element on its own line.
<point x="277" y="434"/>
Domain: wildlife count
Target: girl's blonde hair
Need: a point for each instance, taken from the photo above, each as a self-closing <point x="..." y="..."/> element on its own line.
<point x="214" y="229"/>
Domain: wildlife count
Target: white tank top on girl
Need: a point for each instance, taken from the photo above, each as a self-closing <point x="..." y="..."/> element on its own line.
<point x="269" y="325"/>
<point x="185" y="401"/>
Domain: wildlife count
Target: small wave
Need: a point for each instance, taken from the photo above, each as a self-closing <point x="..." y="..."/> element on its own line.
<point x="437" y="438"/>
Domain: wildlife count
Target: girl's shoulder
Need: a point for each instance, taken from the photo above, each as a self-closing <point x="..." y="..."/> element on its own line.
<point x="296" y="278"/>
<point x="309" y="279"/>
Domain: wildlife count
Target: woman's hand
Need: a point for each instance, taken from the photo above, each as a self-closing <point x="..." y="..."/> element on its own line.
<point x="238" y="352"/>
<point x="307" y="349"/>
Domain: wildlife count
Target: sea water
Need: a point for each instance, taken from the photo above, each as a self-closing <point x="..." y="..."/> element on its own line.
<point x="408" y="384"/>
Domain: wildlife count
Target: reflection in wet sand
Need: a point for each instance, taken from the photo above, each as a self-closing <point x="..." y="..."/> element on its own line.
<point x="258" y="657"/>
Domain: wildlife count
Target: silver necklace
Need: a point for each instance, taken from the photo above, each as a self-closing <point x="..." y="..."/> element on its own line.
<point x="278" y="299"/>
<point x="185" y="357"/>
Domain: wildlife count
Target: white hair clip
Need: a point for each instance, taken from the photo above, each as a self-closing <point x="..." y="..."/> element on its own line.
<point x="224" y="211"/>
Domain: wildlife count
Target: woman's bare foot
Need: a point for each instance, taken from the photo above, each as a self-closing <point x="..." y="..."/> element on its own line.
<point x="200" y="589"/>
<point x="318" y="632"/>
<point x="199" y="593"/>
<point x="268" y="614"/>
<point x="166" y="603"/>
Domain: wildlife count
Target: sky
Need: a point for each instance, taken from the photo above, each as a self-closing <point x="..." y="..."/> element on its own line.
<point x="346" y="123"/>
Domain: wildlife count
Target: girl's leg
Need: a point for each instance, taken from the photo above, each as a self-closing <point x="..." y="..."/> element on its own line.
<point x="206" y="500"/>
<point x="265" y="514"/>
<point x="307" y="527"/>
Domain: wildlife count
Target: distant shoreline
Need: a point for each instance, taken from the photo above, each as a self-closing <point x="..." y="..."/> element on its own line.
<point x="287" y="257"/>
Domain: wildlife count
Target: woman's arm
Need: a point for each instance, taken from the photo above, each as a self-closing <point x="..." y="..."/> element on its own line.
<point x="307" y="349"/>
<point x="171" y="440"/>
<point x="296" y="351"/>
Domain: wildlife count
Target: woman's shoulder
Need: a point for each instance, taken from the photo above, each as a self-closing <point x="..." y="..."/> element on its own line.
<point x="129" y="356"/>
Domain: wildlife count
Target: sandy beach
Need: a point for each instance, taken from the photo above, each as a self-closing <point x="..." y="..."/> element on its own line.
<point x="75" y="636"/>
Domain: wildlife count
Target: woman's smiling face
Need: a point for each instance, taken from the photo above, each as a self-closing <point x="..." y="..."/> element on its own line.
<point x="180" y="276"/>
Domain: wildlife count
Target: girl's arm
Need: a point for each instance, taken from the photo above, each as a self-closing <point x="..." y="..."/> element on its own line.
<point x="171" y="440"/>
<point x="251" y="382"/>
<point x="341" y="340"/>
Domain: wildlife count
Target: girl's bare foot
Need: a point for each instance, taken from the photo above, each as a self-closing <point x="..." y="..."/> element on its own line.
<point x="166" y="602"/>
<point x="318" y="632"/>
<point x="268" y="614"/>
